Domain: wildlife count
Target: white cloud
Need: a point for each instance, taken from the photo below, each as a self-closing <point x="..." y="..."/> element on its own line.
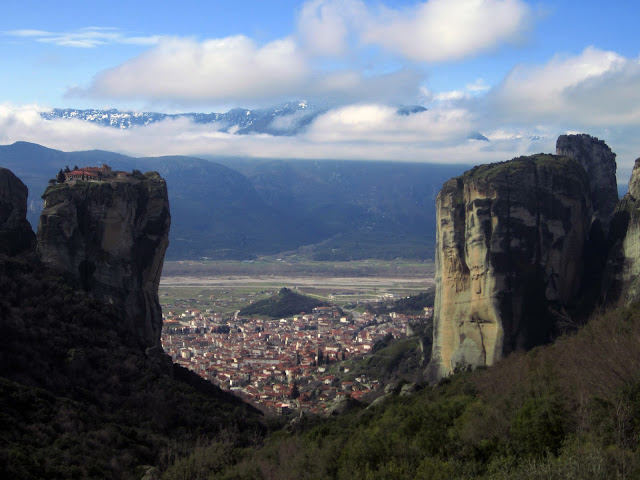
<point x="187" y="70"/>
<point x="355" y="132"/>
<point x="442" y="30"/>
<point x="236" y="69"/>
<point x="478" y="86"/>
<point x="366" y="131"/>
<point x="324" y="26"/>
<point x="594" y="88"/>
<point x="436" y="30"/>
<point x="335" y="53"/>
<point x="88" y="37"/>
<point x="381" y="125"/>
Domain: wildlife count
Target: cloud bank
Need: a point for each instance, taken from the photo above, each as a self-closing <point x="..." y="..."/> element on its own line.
<point x="371" y="132"/>
<point x="441" y="30"/>
<point x="593" y="88"/>
<point x="367" y="59"/>
<point x="346" y="50"/>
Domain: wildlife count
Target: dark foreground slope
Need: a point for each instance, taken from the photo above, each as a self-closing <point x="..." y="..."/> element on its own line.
<point x="80" y="395"/>
<point x="79" y="399"/>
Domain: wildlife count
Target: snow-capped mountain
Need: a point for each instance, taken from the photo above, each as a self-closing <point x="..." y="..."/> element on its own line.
<point x="286" y="119"/>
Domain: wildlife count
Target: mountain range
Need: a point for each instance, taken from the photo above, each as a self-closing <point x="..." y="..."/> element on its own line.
<point x="286" y="119"/>
<point x="239" y="208"/>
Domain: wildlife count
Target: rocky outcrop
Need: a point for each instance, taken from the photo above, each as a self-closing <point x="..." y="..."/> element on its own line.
<point x="16" y="235"/>
<point x="621" y="284"/>
<point x="600" y="164"/>
<point x="110" y="238"/>
<point x="509" y="257"/>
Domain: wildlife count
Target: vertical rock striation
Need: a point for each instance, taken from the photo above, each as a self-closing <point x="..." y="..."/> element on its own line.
<point x="621" y="285"/>
<point x="600" y="164"/>
<point x="111" y="237"/>
<point x="509" y="253"/>
<point x="16" y="235"/>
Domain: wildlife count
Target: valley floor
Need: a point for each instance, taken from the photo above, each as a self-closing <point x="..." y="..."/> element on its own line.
<point x="280" y="364"/>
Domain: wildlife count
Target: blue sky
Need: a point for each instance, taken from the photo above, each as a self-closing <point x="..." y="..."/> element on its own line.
<point x="518" y="72"/>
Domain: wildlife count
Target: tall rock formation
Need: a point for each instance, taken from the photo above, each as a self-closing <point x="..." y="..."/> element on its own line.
<point x="509" y="257"/>
<point x="111" y="237"/>
<point x="600" y="164"/>
<point x="16" y="234"/>
<point x="621" y="283"/>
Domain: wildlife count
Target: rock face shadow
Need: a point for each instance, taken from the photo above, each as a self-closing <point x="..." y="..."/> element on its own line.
<point x="110" y="238"/>
<point x="520" y="249"/>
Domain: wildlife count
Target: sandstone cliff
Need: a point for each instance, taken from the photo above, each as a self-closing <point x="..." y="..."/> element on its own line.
<point x="509" y="255"/>
<point x="621" y="284"/>
<point x="111" y="237"/>
<point x="15" y="232"/>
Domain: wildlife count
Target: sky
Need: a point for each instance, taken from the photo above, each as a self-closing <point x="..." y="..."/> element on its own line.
<point x="518" y="72"/>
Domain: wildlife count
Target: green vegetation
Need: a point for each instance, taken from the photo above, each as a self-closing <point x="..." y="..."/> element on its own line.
<point x="284" y="304"/>
<point x="490" y="171"/>
<point x="568" y="410"/>
<point x="77" y="400"/>
<point x="54" y="187"/>
<point x="412" y="305"/>
<point x="391" y="361"/>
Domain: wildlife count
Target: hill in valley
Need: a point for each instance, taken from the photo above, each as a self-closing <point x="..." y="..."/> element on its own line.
<point x="284" y="304"/>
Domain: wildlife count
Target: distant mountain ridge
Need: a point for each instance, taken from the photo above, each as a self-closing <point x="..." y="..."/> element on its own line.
<point x="282" y="120"/>
<point x="244" y="208"/>
<point x="286" y="119"/>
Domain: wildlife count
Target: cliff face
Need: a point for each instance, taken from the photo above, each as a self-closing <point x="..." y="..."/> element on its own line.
<point x="509" y="247"/>
<point x="111" y="237"/>
<point x="15" y="232"/>
<point x="621" y="284"/>
<point x="600" y="164"/>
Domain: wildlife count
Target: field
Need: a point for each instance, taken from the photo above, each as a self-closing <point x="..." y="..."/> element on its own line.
<point x="227" y="286"/>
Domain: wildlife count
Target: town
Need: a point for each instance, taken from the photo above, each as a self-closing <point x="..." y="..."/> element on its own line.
<point x="280" y="365"/>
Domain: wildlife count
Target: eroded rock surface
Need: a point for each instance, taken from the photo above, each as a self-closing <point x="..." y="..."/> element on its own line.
<point x="621" y="285"/>
<point x="16" y="234"/>
<point x="509" y="257"/>
<point x="600" y="164"/>
<point x="111" y="237"/>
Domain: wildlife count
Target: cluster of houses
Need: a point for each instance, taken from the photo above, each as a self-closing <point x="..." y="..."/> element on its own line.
<point x="88" y="174"/>
<point x="282" y="364"/>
